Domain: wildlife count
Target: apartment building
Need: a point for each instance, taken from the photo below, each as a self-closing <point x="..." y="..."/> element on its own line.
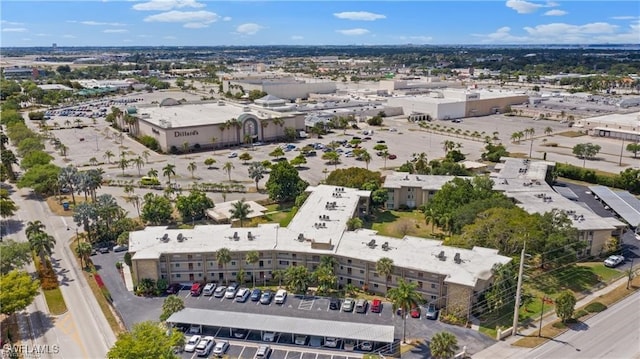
<point x="448" y="276"/>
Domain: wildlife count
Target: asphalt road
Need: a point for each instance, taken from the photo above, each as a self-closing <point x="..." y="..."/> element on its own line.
<point x="613" y="333"/>
<point x="83" y="331"/>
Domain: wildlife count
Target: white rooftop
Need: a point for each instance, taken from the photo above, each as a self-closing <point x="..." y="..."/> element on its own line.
<point x="221" y="211"/>
<point x="426" y="182"/>
<point x="631" y="119"/>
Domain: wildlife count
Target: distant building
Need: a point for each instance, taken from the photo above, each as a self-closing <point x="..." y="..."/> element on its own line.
<point x="617" y="125"/>
<point x="288" y="88"/>
<point x="13" y="73"/>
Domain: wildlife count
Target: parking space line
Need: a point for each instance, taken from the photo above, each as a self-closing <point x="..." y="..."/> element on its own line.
<point x="186" y="296"/>
<point x="242" y="351"/>
<point x="211" y="297"/>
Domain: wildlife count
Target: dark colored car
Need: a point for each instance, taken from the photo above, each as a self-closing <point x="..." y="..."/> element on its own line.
<point x="174" y="288"/>
<point x="334" y="304"/>
<point x="256" y="294"/>
<point x="392" y="157"/>
<point x="266" y="297"/>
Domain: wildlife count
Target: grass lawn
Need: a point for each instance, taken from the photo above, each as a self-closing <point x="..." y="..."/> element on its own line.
<point x="400" y="223"/>
<point x="606" y="274"/>
<point x="281" y="214"/>
<point x="571" y="133"/>
<point x="55" y="301"/>
<point x="56" y="207"/>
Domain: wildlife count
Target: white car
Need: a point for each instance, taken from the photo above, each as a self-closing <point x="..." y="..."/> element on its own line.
<point x="208" y="289"/>
<point x="221" y="347"/>
<point x="281" y="296"/>
<point x="231" y="291"/>
<point x="300" y="339"/>
<point x="613" y="261"/>
<point x="204" y="347"/>
<point x="233" y="155"/>
<point x="366" y="346"/>
<point x="331" y="342"/>
<point x="191" y="344"/>
<point x="269" y="336"/>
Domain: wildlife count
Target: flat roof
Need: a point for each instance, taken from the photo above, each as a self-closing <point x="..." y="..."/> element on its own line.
<point x="281" y="324"/>
<point x="221" y="211"/>
<point x="625" y="119"/>
<point x="426" y="182"/>
<point x="624" y="207"/>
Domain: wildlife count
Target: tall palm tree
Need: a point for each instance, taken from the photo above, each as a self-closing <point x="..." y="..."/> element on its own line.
<point x="366" y="157"/>
<point x="108" y="155"/>
<point x="240" y="210"/>
<point x="443" y="345"/>
<point x="223" y="256"/>
<point x="252" y="258"/>
<point x="548" y="130"/>
<point x="69" y="177"/>
<point x="404" y="297"/>
<point x="280" y="122"/>
<point x="168" y="171"/>
<point x="152" y="173"/>
<point x="192" y="167"/>
<point x="430" y="216"/>
<point x="384" y="267"/>
<point x="139" y="163"/>
<point x="33" y="228"/>
<point x="83" y="250"/>
<point x="227" y="168"/>
<point x="42" y="243"/>
<point x="213" y="140"/>
<point x="146" y="154"/>
<point x="185" y="148"/>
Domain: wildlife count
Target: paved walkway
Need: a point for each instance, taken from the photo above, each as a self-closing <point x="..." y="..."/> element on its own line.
<point x="504" y="349"/>
<point x="128" y="280"/>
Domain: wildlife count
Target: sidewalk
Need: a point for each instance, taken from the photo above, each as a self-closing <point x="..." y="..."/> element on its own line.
<point x="504" y="349"/>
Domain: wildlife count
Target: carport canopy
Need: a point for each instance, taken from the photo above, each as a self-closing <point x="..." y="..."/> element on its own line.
<point x="280" y="324"/>
<point x="626" y="206"/>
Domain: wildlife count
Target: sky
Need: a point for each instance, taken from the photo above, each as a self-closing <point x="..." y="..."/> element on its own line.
<point x="331" y="22"/>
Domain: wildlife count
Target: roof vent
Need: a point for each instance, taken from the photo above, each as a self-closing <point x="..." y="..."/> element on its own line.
<point x="441" y="256"/>
<point x="165" y="237"/>
<point x="301" y="237"/>
<point x="236" y="236"/>
<point x="456" y="258"/>
<point x="372" y="243"/>
<point x="385" y="246"/>
<point x="180" y="237"/>
<point x="250" y="236"/>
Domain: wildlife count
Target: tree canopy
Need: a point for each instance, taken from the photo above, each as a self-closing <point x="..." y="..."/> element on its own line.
<point x="147" y="340"/>
<point x="156" y="209"/>
<point x="194" y="205"/>
<point x="284" y="182"/>
<point x="14" y="255"/>
<point x="18" y="291"/>
<point x="354" y="177"/>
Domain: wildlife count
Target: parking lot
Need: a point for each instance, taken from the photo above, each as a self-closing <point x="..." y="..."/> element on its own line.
<point x="242" y="350"/>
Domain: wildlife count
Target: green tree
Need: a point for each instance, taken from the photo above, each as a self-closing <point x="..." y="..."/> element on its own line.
<point x="634" y="148"/>
<point x="156" y="209"/>
<point x="240" y="210"/>
<point x="284" y="183"/>
<point x="29" y="145"/>
<point x="298" y="161"/>
<point x="366" y="157"/>
<point x="147" y="340"/>
<point x="565" y="305"/>
<point x="68" y="178"/>
<point x="35" y="158"/>
<point x="252" y="258"/>
<point x="277" y="152"/>
<point x="332" y="157"/>
<point x="586" y="151"/>
<point x="42" y="244"/>
<point x="172" y="304"/>
<point x="209" y="162"/>
<point x="15" y="255"/>
<point x="139" y="163"/>
<point x="405" y="296"/>
<point x="245" y="157"/>
<point x="108" y="155"/>
<point x="354" y="177"/>
<point x="7" y="205"/>
<point x="384" y="267"/>
<point x="193" y="206"/>
<point x="502" y="291"/>
<point x="83" y="250"/>
<point x="256" y="172"/>
<point x="223" y="257"/>
<point x="228" y="167"/>
<point x="297" y="279"/>
<point x="192" y="167"/>
<point x="18" y="291"/>
<point x="324" y="276"/>
<point x="354" y="223"/>
<point x="443" y="345"/>
<point x="168" y="171"/>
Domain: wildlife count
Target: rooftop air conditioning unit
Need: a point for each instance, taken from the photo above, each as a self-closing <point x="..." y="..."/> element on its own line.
<point x="180" y="237"/>
<point x="250" y="236"/>
<point x="301" y="237"/>
<point x="456" y="258"/>
<point x="441" y="256"/>
<point x="165" y="237"/>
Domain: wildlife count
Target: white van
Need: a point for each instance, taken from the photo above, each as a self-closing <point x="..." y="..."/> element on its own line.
<point x="281" y="296"/>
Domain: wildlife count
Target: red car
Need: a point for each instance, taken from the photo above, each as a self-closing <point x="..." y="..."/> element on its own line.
<point x="376" y="306"/>
<point x="415" y="312"/>
<point x="392" y="157"/>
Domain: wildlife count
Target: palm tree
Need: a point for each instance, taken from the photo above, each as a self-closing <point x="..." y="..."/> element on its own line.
<point x="240" y="210"/>
<point x="83" y="250"/>
<point x="404" y="297"/>
<point x="108" y="155"/>
<point x="185" y="148"/>
<point x="139" y="163"/>
<point x="192" y="167"/>
<point x="213" y="140"/>
<point x="548" y="131"/>
<point x="278" y="121"/>
<point x="123" y="162"/>
<point x="385" y="155"/>
<point x="34" y="228"/>
<point x="430" y="216"/>
<point x="384" y="267"/>
<point x="42" y="243"/>
<point x="223" y="256"/>
<point x="278" y="275"/>
<point x="252" y="258"/>
<point x="68" y="177"/>
<point x="443" y="345"/>
<point x="227" y="168"/>
<point x="152" y="173"/>
<point x="366" y="157"/>
<point x="168" y="171"/>
<point x="256" y="172"/>
<point x="146" y="154"/>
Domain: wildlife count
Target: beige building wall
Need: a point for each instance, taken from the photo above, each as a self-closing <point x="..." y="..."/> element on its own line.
<point x="411" y="197"/>
<point x="483" y="107"/>
<point x="147" y="268"/>
<point x="459" y="299"/>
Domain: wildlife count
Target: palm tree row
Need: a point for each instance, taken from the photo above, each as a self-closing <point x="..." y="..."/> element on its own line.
<point x="40" y="241"/>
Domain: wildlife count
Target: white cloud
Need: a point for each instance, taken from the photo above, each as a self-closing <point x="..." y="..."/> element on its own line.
<point x="526" y="7"/>
<point x="226" y="18"/>
<point x="626" y="17"/>
<point x="297" y="37"/>
<point x="557" y="31"/>
<point x="164" y="5"/>
<point x="14" y="29"/>
<point x="353" y="32"/>
<point x="192" y="19"/>
<point x="97" y="23"/>
<point x="43" y="35"/>
<point x="144" y="36"/>
<point x="11" y="23"/>
<point x="248" y="29"/>
<point x="169" y="37"/>
<point x="359" y="15"/>
<point x="555" y="12"/>
<point x="114" y="31"/>
<point x="68" y="36"/>
<point x="561" y="33"/>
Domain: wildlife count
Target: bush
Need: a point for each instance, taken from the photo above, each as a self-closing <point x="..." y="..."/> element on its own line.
<point x="48" y="279"/>
<point x="150" y="142"/>
<point x="119" y="265"/>
<point x="581" y="313"/>
<point x="127" y="259"/>
<point x="595" y="307"/>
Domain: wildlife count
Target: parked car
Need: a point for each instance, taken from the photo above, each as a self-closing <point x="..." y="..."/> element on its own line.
<point x="281" y="296"/>
<point x="205" y="346"/>
<point x="232" y="155"/>
<point x="300" y="339"/>
<point x="196" y="289"/>
<point x="432" y="312"/>
<point x="415" y="312"/>
<point x="334" y="304"/>
<point x="264" y="351"/>
<point x="174" y="288"/>
<point x="242" y="295"/>
<point x="392" y="157"/>
<point x="220" y="291"/>
<point x="266" y="297"/>
<point x="366" y="346"/>
<point x="191" y="344"/>
<point x="255" y="294"/>
<point x="195" y="329"/>
<point x="221" y="347"/>
<point x="239" y="333"/>
<point x="208" y="289"/>
<point x="376" y="306"/>
<point x="120" y="248"/>
<point x="331" y="342"/>
<point x="613" y="261"/>
<point x="348" y="304"/>
<point x="231" y="291"/>
<point x="269" y="336"/>
<point x="103" y="250"/>
<point x="361" y="306"/>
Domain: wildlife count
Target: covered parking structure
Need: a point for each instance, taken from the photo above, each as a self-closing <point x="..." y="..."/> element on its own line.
<point x="359" y="332"/>
<point x="623" y="203"/>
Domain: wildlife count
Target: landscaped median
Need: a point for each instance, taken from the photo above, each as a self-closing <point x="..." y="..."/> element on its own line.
<point x="50" y="287"/>
<point x="583" y="313"/>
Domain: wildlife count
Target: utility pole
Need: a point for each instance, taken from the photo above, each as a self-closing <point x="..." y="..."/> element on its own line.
<point x="621" y="151"/>
<point x="630" y="274"/>
<point x="544" y="300"/>
<point x="516" y="308"/>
